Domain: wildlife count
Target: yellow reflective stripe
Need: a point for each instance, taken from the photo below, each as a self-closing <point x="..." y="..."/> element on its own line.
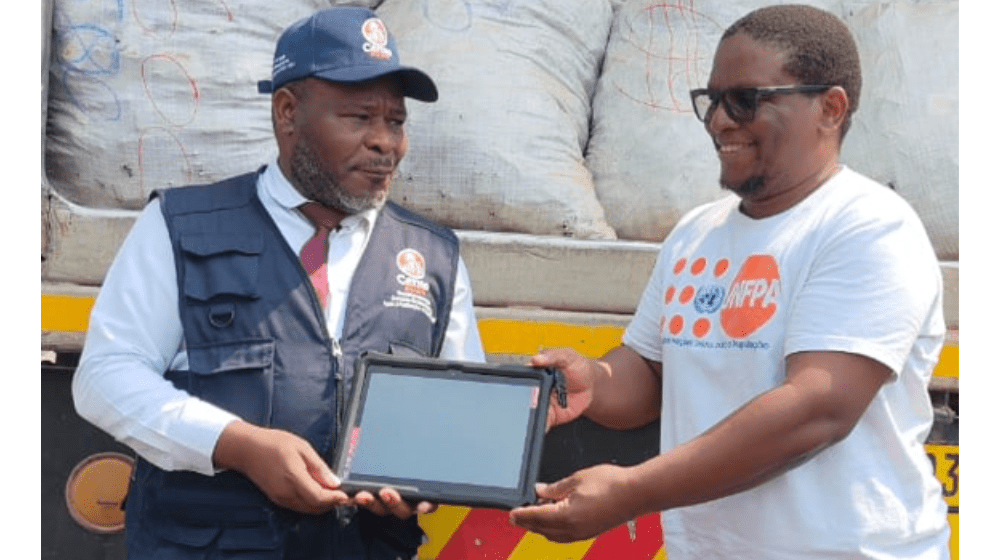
<point x="533" y="546"/>
<point x="948" y="363"/>
<point x="507" y="336"/>
<point x="66" y="313"/>
<point x="439" y="527"/>
<point x="953" y="542"/>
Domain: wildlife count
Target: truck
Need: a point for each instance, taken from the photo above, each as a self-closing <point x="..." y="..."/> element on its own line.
<point x="557" y="203"/>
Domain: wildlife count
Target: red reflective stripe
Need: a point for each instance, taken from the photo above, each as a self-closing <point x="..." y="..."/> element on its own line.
<point x="484" y="534"/>
<point x="616" y="544"/>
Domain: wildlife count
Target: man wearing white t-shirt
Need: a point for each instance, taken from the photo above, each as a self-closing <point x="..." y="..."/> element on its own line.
<point x="785" y="339"/>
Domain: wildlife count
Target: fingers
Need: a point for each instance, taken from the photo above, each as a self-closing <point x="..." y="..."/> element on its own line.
<point x="396" y="504"/>
<point x="426" y="507"/>
<point x="539" y="518"/>
<point x="389" y="502"/>
<point x="553" y="492"/>
<point x="368" y="501"/>
<point x="544" y="519"/>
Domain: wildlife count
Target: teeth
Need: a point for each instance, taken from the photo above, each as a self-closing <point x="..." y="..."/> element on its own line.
<point x="731" y="147"/>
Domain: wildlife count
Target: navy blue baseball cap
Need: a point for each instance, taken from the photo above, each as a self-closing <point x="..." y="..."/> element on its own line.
<point x="343" y="44"/>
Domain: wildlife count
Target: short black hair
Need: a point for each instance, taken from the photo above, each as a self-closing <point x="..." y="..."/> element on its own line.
<point x="819" y="47"/>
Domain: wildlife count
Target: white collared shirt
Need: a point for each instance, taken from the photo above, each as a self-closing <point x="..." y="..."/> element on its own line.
<point x="135" y="333"/>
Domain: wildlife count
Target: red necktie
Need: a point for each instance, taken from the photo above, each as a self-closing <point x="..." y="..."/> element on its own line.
<point x="314" y="252"/>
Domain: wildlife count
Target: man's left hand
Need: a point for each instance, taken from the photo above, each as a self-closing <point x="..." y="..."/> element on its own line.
<point x="580" y="506"/>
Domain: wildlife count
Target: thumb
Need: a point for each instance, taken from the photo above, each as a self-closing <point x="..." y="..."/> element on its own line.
<point x="555" y="491"/>
<point x="546" y="357"/>
<point x="321" y="472"/>
<point x="541" y="359"/>
<point x="328" y="479"/>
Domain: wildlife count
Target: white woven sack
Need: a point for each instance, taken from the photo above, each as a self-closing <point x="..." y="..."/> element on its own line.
<point x="502" y="149"/>
<point x="651" y="159"/>
<point x="148" y="95"/>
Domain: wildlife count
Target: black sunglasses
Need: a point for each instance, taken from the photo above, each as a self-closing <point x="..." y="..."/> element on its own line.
<point x="740" y="103"/>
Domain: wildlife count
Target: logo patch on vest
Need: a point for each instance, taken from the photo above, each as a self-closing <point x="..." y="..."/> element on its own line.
<point x="413" y="291"/>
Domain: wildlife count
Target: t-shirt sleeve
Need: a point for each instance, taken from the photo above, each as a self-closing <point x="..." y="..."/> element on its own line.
<point x="872" y="287"/>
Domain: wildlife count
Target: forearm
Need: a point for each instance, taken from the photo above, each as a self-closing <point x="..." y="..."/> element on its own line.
<point x="627" y="390"/>
<point x="824" y="397"/>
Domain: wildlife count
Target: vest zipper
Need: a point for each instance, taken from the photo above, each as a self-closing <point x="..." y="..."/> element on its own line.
<point x="337" y="350"/>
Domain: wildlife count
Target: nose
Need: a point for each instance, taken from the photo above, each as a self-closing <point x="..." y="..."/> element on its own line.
<point x="717" y="118"/>
<point x="383" y="135"/>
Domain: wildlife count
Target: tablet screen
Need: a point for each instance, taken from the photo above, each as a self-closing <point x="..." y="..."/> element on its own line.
<point x="444" y="431"/>
<point x="441" y="429"/>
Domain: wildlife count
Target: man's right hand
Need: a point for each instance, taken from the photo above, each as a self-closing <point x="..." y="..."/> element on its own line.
<point x="619" y="391"/>
<point x="580" y="380"/>
<point x="283" y="465"/>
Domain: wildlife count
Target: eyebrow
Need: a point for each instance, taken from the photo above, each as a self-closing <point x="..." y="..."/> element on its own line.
<point x="370" y="105"/>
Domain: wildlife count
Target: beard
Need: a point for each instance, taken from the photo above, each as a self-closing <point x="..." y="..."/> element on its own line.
<point x="316" y="183"/>
<point x="750" y="186"/>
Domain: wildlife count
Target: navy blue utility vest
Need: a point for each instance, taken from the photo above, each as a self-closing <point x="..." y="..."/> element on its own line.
<point x="258" y="346"/>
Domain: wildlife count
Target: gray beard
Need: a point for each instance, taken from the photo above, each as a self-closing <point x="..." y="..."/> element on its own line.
<point x="315" y="183"/>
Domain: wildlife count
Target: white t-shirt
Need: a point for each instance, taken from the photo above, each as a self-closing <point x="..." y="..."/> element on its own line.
<point x="848" y="269"/>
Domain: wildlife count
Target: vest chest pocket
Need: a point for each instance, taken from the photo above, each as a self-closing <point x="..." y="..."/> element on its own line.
<point x="221" y="264"/>
<point x="236" y="376"/>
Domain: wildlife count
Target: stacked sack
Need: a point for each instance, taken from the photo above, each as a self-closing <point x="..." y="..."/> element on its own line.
<point x="556" y="117"/>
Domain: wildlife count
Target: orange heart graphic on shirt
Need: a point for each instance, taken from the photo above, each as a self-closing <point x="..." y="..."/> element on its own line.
<point x="752" y="297"/>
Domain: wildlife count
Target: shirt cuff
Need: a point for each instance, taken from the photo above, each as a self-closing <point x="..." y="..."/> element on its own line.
<point x="200" y="427"/>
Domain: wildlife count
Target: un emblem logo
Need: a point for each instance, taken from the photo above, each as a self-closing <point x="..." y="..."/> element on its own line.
<point x="709" y="299"/>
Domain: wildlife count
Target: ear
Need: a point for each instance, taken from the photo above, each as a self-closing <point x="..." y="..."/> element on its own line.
<point x="283" y="106"/>
<point x="835" y="105"/>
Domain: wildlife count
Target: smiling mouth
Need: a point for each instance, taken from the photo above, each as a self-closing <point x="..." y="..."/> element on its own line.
<point x="731" y="148"/>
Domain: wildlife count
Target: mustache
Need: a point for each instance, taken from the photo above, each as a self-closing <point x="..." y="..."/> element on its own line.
<point x="387" y="163"/>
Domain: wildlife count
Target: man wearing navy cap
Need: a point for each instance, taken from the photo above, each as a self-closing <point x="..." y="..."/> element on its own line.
<point x="222" y="344"/>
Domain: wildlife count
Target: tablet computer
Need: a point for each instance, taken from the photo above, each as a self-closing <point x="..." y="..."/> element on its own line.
<point x="445" y="431"/>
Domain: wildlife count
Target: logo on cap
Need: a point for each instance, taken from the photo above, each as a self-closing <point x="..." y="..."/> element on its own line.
<point x="376" y="38"/>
